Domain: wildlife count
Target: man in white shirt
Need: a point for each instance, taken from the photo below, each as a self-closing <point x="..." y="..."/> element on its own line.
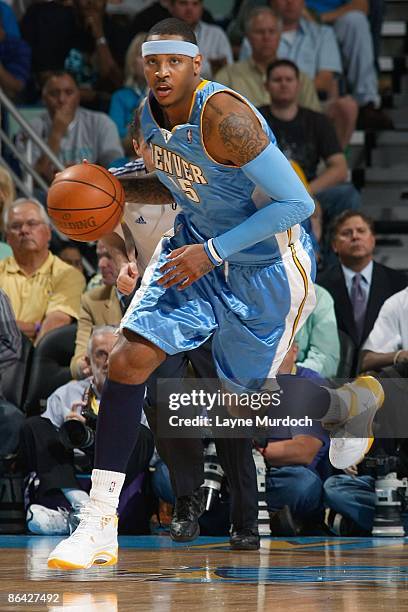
<point x="73" y="133"/>
<point x="212" y="40"/>
<point x="358" y="284"/>
<point x="387" y="343"/>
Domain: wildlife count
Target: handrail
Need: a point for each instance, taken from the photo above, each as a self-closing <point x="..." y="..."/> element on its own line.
<point x="25" y="163"/>
<point x="27" y="128"/>
<point x="17" y="180"/>
<point x="23" y="160"/>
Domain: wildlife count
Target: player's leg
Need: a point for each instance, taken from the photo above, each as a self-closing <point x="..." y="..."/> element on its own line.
<point x="95" y="540"/>
<point x="183" y="456"/>
<point x="267" y="307"/>
<point x="235" y="455"/>
<point x="158" y="321"/>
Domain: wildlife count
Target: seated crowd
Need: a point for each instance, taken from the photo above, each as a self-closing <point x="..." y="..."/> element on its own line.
<point x="310" y="68"/>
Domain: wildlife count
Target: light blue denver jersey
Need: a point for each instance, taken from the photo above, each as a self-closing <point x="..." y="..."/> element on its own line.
<point x="214" y="197"/>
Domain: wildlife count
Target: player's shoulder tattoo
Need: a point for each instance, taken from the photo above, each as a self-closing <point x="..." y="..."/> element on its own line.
<point x="242" y="136"/>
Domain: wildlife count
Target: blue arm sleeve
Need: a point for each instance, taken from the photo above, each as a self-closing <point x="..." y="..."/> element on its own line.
<point x="272" y="172"/>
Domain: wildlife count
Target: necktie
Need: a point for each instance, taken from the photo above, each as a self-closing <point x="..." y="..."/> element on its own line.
<point x="359" y="303"/>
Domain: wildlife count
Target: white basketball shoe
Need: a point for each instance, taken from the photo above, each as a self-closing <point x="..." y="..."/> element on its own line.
<point x="95" y="541"/>
<point x="361" y="398"/>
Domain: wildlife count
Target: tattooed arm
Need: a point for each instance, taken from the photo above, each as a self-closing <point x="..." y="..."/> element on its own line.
<point x="232" y="134"/>
<point x="231" y="131"/>
<point x="146" y="189"/>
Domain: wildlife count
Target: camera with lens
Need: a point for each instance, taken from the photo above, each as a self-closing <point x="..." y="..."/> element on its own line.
<point x="213" y="475"/>
<point x="75" y="433"/>
<point x="390" y="494"/>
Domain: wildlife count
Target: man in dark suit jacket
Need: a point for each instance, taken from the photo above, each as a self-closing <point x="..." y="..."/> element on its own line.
<point x="358" y="285"/>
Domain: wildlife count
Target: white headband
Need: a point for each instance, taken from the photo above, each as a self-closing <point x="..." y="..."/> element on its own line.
<point x="169" y="47"/>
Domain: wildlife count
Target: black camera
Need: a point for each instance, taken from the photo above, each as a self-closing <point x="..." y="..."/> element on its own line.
<point x="76" y="434"/>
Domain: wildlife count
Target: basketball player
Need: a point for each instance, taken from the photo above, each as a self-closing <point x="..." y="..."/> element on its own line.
<point x="183" y="456"/>
<point x="241" y="273"/>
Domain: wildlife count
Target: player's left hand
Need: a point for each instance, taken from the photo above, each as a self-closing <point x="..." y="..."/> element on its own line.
<point x="186" y="265"/>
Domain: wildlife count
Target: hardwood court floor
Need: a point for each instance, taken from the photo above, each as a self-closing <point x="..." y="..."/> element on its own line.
<point x="308" y="574"/>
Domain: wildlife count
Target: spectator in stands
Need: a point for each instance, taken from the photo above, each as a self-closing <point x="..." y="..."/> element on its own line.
<point x="7" y="195"/>
<point x="154" y="13"/>
<point x="358" y="285"/>
<point x="73" y="133"/>
<point x="127" y="99"/>
<point x="318" y="341"/>
<point x="48" y="28"/>
<point x="43" y="290"/>
<point x="8" y="20"/>
<point x="212" y="40"/>
<point x="15" y="63"/>
<point x="43" y="452"/>
<point x="351" y="26"/>
<point x="296" y="463"/>
<point x="313" y="48"/>
<point x="97" y="52"/>
<point x="71" y="254"/>
<point x="11" y="418"/>
<point x="308" y="138"/>
<point x="248" y="77"/>
<point x="387" y="343"/>
<point x="99" y="306"/>
<point x="81" y="38"/>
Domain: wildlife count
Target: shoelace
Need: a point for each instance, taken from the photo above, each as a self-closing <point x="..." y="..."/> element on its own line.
<point x="89" y="519"/>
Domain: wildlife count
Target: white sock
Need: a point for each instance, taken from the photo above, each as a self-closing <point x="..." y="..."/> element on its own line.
<point x="339" y="406"/>
<point x="106" y="488"/>
<point x="76" y="497"/>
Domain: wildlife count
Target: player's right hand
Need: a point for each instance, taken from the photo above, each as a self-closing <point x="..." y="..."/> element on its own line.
<point x="127" y="277"/>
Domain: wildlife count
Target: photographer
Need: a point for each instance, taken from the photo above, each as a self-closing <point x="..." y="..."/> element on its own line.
<point x="47" y="442"/>
<point x="351" y="496"/>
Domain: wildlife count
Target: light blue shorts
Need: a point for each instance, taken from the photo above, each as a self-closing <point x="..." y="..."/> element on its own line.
<point x="252" y="312"/>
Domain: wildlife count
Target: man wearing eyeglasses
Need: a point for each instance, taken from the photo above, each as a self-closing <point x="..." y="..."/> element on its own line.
<point x="43" y="290"/>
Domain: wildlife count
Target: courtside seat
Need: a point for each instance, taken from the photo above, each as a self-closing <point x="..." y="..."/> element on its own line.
<point x="50" y="367"/>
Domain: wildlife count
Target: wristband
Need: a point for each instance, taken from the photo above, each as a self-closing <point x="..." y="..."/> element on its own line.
<point x="397" y="354"/>
<point x="212" y="254"/>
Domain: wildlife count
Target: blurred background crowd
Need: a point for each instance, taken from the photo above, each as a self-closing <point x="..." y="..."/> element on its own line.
<point x="330" y="78"/>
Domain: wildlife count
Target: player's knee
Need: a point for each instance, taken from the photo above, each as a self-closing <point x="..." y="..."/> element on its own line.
<point x="132" y="362"/>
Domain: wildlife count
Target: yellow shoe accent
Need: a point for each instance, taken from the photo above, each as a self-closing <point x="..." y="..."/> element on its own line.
<point x="373" y="385"/>
<point x="66" y="565"/>
<point x="370" y="442"/>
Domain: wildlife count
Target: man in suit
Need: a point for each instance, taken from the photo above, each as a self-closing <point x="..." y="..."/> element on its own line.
<point x="358" y="284"/>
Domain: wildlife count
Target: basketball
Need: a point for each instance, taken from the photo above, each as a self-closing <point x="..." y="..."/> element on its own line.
<point x="85" y="202"/>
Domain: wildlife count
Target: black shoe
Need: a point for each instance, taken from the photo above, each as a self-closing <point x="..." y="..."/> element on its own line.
<point x="282" y="523"/>
<point x="184" y="526"/>
<point x="245" y="539"/>
<point x="345" y="527"/>
<point x="371" y="118"/>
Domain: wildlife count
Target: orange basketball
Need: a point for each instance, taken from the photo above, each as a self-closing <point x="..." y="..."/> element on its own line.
<point x="85" y="202"/>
